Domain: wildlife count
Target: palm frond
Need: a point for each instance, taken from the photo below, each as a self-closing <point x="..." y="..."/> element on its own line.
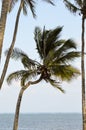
<point x="46" y="40"/>
<point x="70" y="56"/>
<point x="65" y="72"/>
<point x="71" y="7"/>
<point x="49" y="1"/>
<point x="38" y="40"/>
<point x="22" y="75"/>
<point x="25" y="8"/>
<point x="52" y="38"/>
<point x="16" y="54"/>
<point x="15" y="75"/>
<point x="69" y="44"/>
<point x="64" y="59"/>
<point x="79" y="3"/>
<point x="28" y="63"/>
<point x="61" y="47"/>
<point x="31" y="4"/>
<point x="55" y="84"/>
<point x="19" y="54"/>
<point x="12" y="4"/>
<point x="51" y="54"/>
<point x="28" y="76"/>
<point x="65" y="47"/>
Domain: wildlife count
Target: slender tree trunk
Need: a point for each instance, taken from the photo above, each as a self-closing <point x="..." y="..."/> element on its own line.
<point x="16" y="119"/>
<point x="11" y="47"/>
<point x="4" y="11"/>
<point x="83" y="76"/>
<point x="15" y="126"/>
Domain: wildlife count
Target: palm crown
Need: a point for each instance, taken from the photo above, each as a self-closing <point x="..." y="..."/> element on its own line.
<point x="55" y="55"/>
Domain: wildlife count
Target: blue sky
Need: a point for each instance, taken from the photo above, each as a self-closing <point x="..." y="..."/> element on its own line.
<point x="41" y="97"/>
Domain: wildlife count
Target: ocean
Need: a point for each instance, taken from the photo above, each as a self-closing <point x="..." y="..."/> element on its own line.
<point x="56" y="121"/>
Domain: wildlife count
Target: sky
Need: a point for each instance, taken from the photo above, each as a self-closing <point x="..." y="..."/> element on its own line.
<point x="41" y="98"/>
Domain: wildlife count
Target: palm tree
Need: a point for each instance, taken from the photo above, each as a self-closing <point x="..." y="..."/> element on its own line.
<point x="80" y="8"/>
<point x="23" y="5"/>
<point x="55" y="65"/>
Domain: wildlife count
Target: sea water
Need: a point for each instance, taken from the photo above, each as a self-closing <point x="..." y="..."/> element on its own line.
<point x="43" y="121"/>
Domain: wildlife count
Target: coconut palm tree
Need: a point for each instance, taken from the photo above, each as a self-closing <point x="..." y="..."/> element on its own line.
<point x="55" y="66"/>
<point x="80" y="8"/>
<point x="23" y="5"/>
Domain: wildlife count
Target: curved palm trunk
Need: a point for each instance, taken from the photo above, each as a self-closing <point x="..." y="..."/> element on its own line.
<point x="11" y="47"/>
<point x="16" y="119"/>
<point x="15" y="127"/>
<point x="4" y="11"/>
<point x="83" y="76"/>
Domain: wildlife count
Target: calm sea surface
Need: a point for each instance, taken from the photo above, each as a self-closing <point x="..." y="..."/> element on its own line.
<point x="42" y="122"/>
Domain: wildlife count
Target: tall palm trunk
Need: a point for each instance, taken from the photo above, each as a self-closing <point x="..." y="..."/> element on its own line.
<point x="83" y="75"/>
<point x="15" y="127"/>
<point x="4" y="11"/>
<point x="11" y="46"/>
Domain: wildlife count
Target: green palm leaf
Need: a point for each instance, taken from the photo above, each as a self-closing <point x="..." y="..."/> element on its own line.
<point x="55" y="84"/>
<point x="15" y="75"/>
<point x="71" y="7"/>
<point x="31" y="4"/>
<point x="65" y="47"/>
<point x="38" y="39"/>
<point x="51" y="54"/>
<point x="25" y="8"/>
<point x="19" y="54"/>
<point x="63" y="51"/>
<point x="67" y="57"/>
<point x="22" y="75"/>
<point x="46" y="40"/>
<point x="52" y="38"/>
<point x="50" y="1"/>
<point x="65" y="72"/>
<point x="28" y="76"/>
